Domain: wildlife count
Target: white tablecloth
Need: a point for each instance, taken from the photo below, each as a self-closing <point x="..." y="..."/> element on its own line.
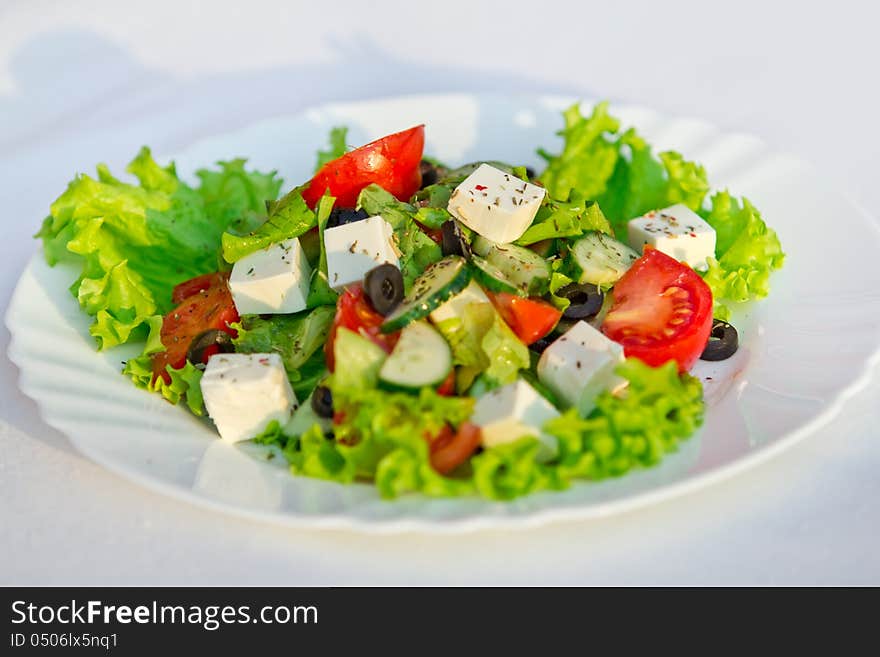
<point x="92" y="81"/>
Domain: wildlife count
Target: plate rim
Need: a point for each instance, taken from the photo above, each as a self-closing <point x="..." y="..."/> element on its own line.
<point x="341" y="521"/>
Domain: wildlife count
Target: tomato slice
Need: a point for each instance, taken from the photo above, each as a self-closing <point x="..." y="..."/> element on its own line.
<point x="530" y="319"/>
<point x="662" y="311"/>
<point x="449" y="450"/>
<point x="391" y="162"/>
<point x="195" y="285"/>
<point x="354" y="312"/>
<point x="204" y="303"/>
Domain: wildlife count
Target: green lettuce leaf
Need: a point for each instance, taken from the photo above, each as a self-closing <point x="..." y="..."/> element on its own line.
<point x="658" y="409"/>
<point x="381" y="437"/>
<point x="508" y="471"/>
<point x="589" y="154"/>
<point x="135" y="242"/>
<point x="289" y="217"/>
<point x="747" y="251"/>
<point x="619" y="170"/>
<point x="336" y="149"/>
<point x="362" y="360"/>
<point x="417" y="250"/>
<point x="506" y="354"/>
<point x="570" y="218"/>
<point x="483" y="343"/>
<point x="320" y="292"/>
<point x="299" y="340"/>
<point x="185" y="382"/>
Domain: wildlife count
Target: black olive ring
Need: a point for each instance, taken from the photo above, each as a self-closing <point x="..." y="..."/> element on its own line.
<point x="210" y="338"/>
<point x="384" y="287"/>
<point x="723" y="342"/>
<point x="585" y="300"/>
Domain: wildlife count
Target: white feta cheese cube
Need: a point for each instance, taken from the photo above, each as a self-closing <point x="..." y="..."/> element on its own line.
<point x="497" y="205"/>
<point x="456" y="306"/>
<point x="677" y="231"/>
<point x="512" y="412"/>
<point x="354" y="249"/>
<point x="579" y="365"/>
<point x="274" y="280"/>
<point x="245" y="392"/>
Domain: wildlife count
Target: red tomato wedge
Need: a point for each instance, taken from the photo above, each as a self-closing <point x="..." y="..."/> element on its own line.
<point x="354" y="312"/>
<point x="391" y="162"/>
<point x="449" y="449"/>
<point x="204" y="303"/>
<point x="447" y="388"/>
<point x="662" y="311"/>
<point x="530" y="319"/>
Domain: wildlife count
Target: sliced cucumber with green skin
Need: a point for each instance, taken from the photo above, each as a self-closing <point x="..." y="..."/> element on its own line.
<point x="492" y="278"/>
<point x="421" y="357"/>
<point x="481" y="246"/>
<point x="523" y="267"/>
<point x="440" y="281"/>
<point x="599" y="259"/>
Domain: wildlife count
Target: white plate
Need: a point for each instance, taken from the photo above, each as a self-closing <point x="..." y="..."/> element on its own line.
<point x="805" y="349"/>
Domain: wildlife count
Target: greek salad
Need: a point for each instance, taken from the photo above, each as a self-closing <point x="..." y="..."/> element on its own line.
<point x="478" y="329"/>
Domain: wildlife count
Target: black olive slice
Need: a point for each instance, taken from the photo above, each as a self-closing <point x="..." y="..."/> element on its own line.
<point x="538" y="346"/>
<point x="342" y="216"/>
<point x="452" y="241"/>
<point x="429" y="172"/>
<point x="586" y="300"/>
<point x="213" y="337"/>
<point x="322" y="402"/>
<point x="723" y="342"/>
<point x="530" y="173"/>
<point x="384" y="287"/>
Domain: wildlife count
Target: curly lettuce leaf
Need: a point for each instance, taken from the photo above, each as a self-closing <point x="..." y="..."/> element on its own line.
<point x="185" y="384"/>
<point x="657" y="411"/>
<point x="227" y="191"/>
<point x="643" y="182"/>
<point x="289" y="217"/>
<point x="381" y="436"/>
<point x="619" y="170"/>
<point x="417" y="250"/>
<point x="510" y="470"/>
<point x="135" y="242"/>
<point x="336" y="148"/>
<point x="589" y="154"/>
<point x="746" y="250"/>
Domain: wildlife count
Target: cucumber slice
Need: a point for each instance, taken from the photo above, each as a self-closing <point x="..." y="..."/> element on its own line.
<point x="481" y="245"/>
<point x="421" y="357"/>
<point x="523" y="267"/>
<point x="491" y="277"/>
<point x="599" y="259"/>
<point x="440" y="281"/>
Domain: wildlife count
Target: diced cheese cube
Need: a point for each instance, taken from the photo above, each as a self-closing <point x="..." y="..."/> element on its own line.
<point x="579" y="365"/>
<point x="245" y="392"/>
<point x="497" y="205"/>
<point x="272" y="280"/>
<point x="677" y="231"/>
<point x="512" y="412"/>
<point x="354" y="249"/>
<point x="456" y="306"/>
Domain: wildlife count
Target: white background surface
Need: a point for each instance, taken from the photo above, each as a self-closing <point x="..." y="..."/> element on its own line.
<point x="92" y="81"/>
